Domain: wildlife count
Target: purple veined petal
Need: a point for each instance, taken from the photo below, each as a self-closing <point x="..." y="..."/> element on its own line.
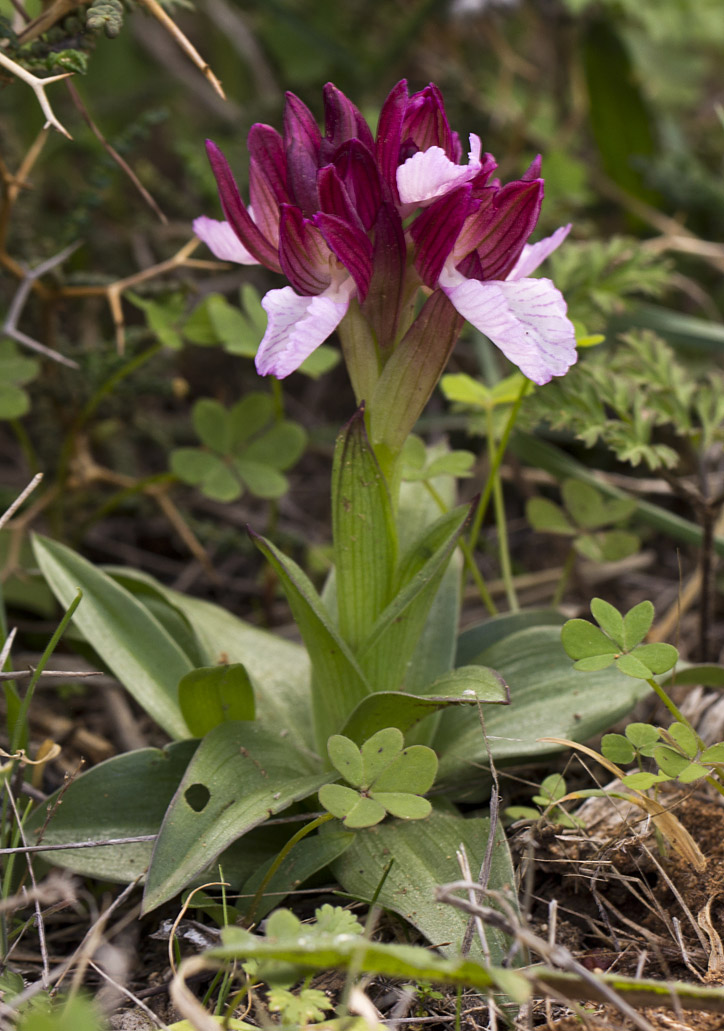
<point x="266" y="148"/>
<point x="435" y="231"/>
<point x="222" y="241"/>
<point x="534" y="254"/>
<point x="534" y="169"/>
<point x="351" y="246"/>
<point x="527" y="319"/>
<point x="382" y="305"/>
<point x="334" y="198"/>
<point x="358" y="171"/>
<point x="430" y="174"/>
<point x="237" y="216"/>
<point x="427" y="125"/>
<point x="389" y="135"/>
<point x="498" y="230"/>
<point x="263" y="202"/>
<point x="303" y="253"/>
<point x="343" y="121"/>
<point x="302" y="140"/>
<point x="298" y="325"/>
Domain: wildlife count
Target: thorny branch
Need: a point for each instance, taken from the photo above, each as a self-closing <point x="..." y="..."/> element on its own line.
<point x="38" y="87"/>
<point x="10" y="326"/>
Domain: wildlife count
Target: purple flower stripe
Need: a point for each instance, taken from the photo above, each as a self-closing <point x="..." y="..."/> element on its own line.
<point x="343" y="122"/>
<point x="303" y="254"/>
<point x="435" y="231"/>
<point x="389" y="136"/>
<point x="358" y="171"/>
<point x="351" y="246"/>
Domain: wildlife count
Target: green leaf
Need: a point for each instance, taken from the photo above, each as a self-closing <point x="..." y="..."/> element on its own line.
<point x="366" y="813"/>
<point x="280" y="447"/>
<point x="413" y="771"/>
<point x="220" y="484"/>
<point x="320" y="362"/>
<point x="387" y="650"/>
<point x="211" y="422"/>
<point x="422" y="857"/>
<point x="691" y="773"/>
<point x="476" y="639"/>
<point x="609" y="619"/>
<point x="129" y="640"/>
<point x="641" y="735"/>
<point x="617" y="748"/>
<point x="659" y="657"/>
<point x="249" y="417"/>
<point x="582" y="640"/>
<point x="553" y="787"/>
<point x="192" y="465"/>
<point x="379" y="751"/>
<point x="339" y="683"/>
<point x="584" y="503"/>
<point x="618" y="544"/>
<point x="15" y="371"/>
<point x="214" y="695"/>
<point x="637" y="623"/>
<point x="338" y="799"/>
<point x="631" y="666"/>
<point x="123" y="797"/>
<point x="547" y="517"/>
<point x="402" y="804"/>
<point x="346" y="758"/>
<point x="261" y="480"/>
<point x="644" y="781"/>
<point x="685" y="738"/>
<point x="398" y="709"/>
<point x="669" y="760"/>
<point x="713" y="754"/>
<point x="363" y="529"/>
<point x="593" y="663"/>
<point x="549" y="699"/>
<point x="240" y="775"/>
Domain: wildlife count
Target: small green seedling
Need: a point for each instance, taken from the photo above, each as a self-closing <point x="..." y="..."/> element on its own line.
<point x="385" y="777"/>
<point x="592" y="521"/>
<point x="419" y="465"/>
<point x="552" y="789"/>
<point x="15" y="371"/>
<point x="244" y="448"/>
<point x="678" y="753"/>
<point x="617" y="641"/>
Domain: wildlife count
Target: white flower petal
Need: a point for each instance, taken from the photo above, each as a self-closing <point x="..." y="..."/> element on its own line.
<point x="430" y="174"/>
<point x="526" y="319"/>
<point x="222" y="241"/>
<point x="534" y="254"/>
<point x="298" y="325"/>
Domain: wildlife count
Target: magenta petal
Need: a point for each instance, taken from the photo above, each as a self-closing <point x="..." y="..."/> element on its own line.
<point x="358" y="171"/>
<point x="343" y="121"/>
<point x="389" y="135"/>
<point x="302" y="140"/>
<point x="333" y="196"/>
<point x="297" y="326"/>
<point x="435" y="231"/>
<point x="534" y="254"/>
<point x="427" y="125"/>
<point x="534" y="169"/>
<point x="222" y="241"/>
<point x="499" y="230"/>
<point x="236" y="214"/>
<point x="303" y="254"/>
<point x="381" y="307"/>
<point x="526" y="319"/>
<point x="264" y="203"/>
<point x="351" y="246"/>
<point x="266" y="148"/>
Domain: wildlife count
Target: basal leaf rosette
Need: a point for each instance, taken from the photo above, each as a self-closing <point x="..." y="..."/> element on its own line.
<point x="383" y="777"/>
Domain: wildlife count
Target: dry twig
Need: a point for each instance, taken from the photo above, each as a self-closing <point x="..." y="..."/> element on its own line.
<point x="38" y="87"/>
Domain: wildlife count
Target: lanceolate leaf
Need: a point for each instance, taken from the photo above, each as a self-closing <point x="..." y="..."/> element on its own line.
<point x="132" y="643"/>
<point x="422" y="857"/>
<point x="339" y="683"/>
<point x="363" y="530"/>
<point x="386" y="652"/>
<point x="240" y="775"/>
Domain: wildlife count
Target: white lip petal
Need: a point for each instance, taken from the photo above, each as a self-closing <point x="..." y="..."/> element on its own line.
<point x="430" y="174"/>
<point x="526" y="319"/>
<point x="222" y="241"/>
<point x="534" y="254"/>
<point x="298" y="325"/>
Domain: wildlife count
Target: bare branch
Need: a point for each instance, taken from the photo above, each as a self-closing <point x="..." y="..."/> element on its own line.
<point x="38" y="87"/>
<point x="186" y="45"/>
<point x="25" y="493"/>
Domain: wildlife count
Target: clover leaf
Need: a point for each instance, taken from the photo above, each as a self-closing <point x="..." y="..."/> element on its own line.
<point x="243" y="448"/>
<point x="385" y="778"/>
<point x="593" y="521"/>
<point x="617" y="641"/>
<point x="15" y="372"/>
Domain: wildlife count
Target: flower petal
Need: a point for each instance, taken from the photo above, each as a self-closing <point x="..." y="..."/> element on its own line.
<point x="435" y="231"/>
<point x="498" y="230"/>
<point x="526" y="319"/>
<point x="358" y="171"/>
<point x="389" y="134"/>
<point x="426" y="123"/>
<point x="302" y="140"/>
<point x="236" y="214"/>
<point x="350" y="245"/>
<point x="297" y="326"/>
<point x="222" y="241"/>
<point x="303" y="253"/>
<point x="342" y="121"/>
<point x="430" y="174"/>
<point x="534" y="254"/>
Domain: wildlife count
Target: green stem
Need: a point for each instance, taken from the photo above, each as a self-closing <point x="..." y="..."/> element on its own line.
<point x="564" y="578"/>
<point x="281" y="856"/>
<point x="475" y="573"/>
<point x="499" y="506"/>
<point x="487" y="490"/>
<point x="52" y="644"/>
<point x="673" y="708"/>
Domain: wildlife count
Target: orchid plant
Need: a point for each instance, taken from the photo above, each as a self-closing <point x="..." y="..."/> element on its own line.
<point x="393" y="241"/>
<point x="361" y="225"/>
